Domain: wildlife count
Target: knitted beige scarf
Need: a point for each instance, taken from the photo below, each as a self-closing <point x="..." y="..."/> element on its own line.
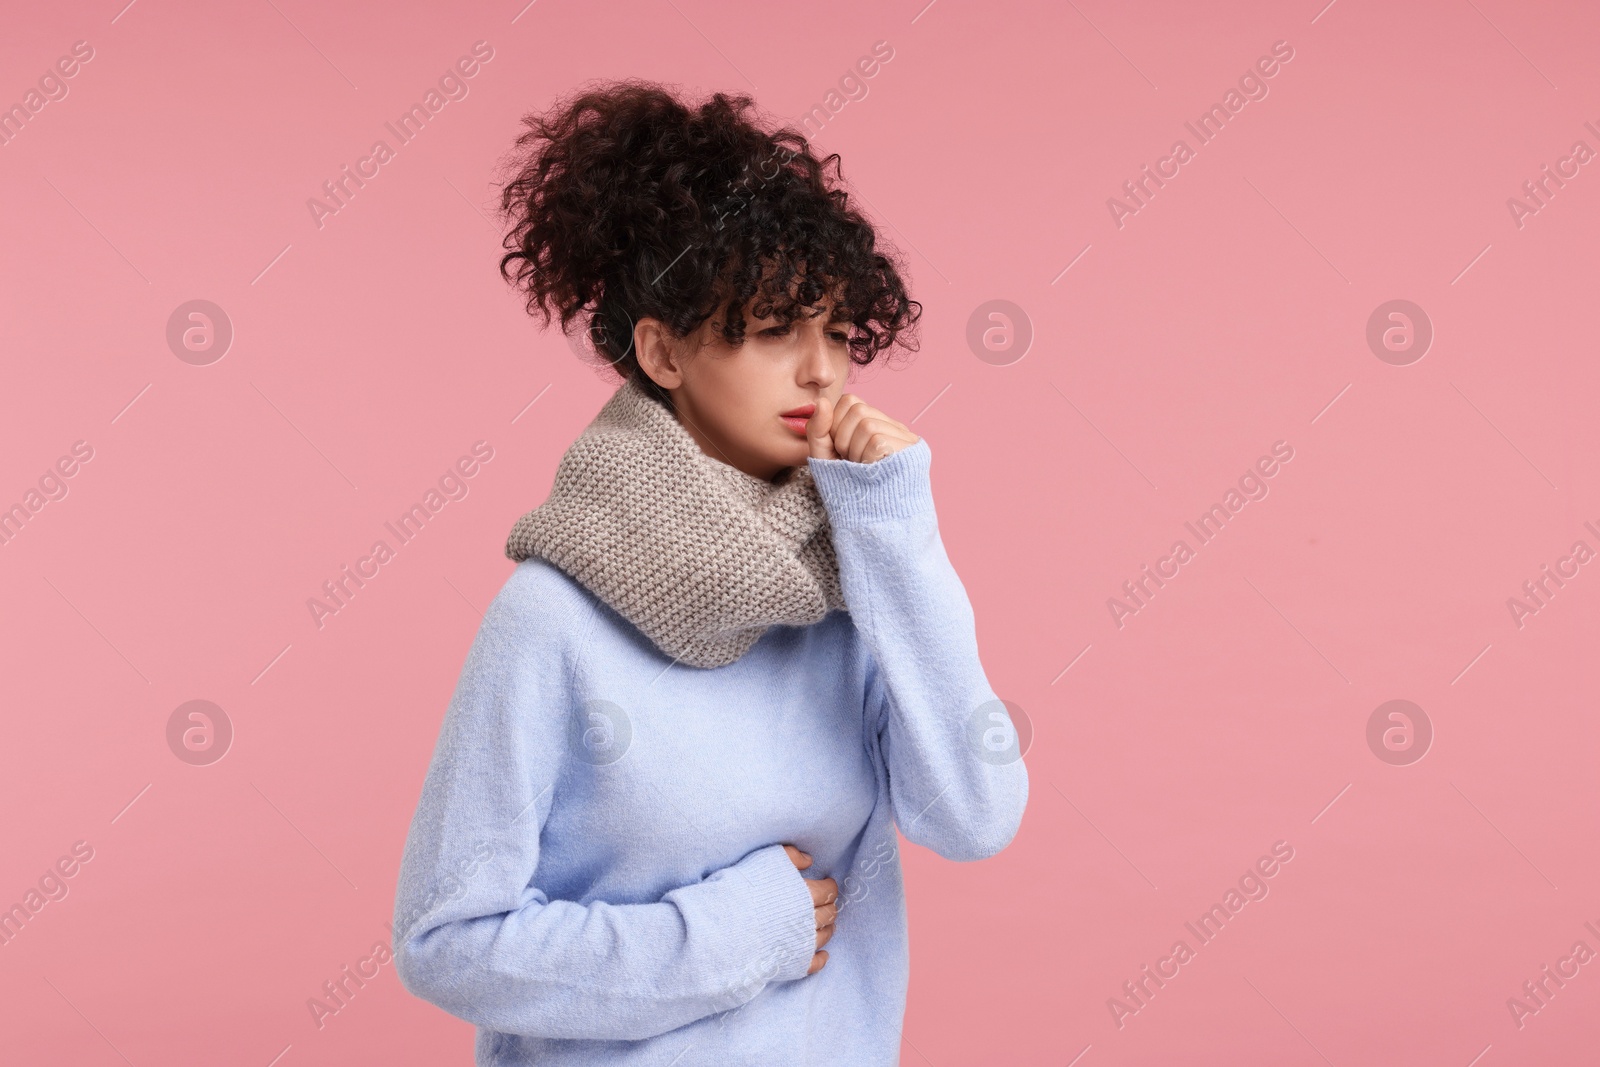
<point x="700" y="556"/>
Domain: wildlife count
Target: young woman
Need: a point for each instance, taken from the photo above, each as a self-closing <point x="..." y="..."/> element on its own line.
<point x="733" y="658"/>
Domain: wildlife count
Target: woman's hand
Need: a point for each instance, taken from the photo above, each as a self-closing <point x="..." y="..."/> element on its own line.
<point x="824" y="893"/>
<point x="855" y="430"/>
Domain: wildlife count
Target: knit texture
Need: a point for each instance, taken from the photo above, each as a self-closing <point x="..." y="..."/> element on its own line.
<point x="700" y="556"/>
<point x="595" y="874"/>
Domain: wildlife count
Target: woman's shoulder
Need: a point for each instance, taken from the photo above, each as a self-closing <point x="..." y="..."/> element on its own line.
<point x="539" y="604"/>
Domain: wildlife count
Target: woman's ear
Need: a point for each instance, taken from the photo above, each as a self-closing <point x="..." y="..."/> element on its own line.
<point x="658" y="352"/>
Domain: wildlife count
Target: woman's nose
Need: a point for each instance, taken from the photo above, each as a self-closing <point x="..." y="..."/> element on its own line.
<point x="816" y="364"/>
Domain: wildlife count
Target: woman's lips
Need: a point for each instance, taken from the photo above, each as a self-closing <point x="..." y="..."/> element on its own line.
<point x="796" y="418"/>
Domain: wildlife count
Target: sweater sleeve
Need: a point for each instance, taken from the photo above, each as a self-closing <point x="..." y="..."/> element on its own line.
<point x="475" y="934"/>
<point x="957" y="782"/>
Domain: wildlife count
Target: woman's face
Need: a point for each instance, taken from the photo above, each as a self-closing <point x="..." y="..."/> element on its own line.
<point x="734" y="400"/>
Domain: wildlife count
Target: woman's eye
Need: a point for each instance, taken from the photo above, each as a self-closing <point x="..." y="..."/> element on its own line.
<point x="840" y="336"/>
<point x="775" y="331"/>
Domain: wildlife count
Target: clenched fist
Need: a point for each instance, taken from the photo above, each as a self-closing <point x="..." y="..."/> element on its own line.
<point x="855" y="430"/>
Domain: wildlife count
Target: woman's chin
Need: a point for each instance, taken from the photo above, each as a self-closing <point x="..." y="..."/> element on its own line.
<point x="786" y="455"/>
<point x="795" y="452"/>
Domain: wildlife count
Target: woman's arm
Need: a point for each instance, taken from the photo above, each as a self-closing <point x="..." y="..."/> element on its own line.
<point x="956" y="780"/>
<point x="475" y="935"/>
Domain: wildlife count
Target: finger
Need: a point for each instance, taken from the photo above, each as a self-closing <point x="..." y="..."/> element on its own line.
<point x="824" y="935"/>
<point x="817" y="962"/>
<point x="796" y="857"/>
<point x="873" y="441"/>
<point x="819" y="430"/>
<point x="850" y="411"/>
<point x="853" y="436"/>
<point x="826" y="914"/>
<point x="827" y="890"/>
<point x="854" y="430"/>
<point x="860" y="445"/>
<point x="845" y="415"/>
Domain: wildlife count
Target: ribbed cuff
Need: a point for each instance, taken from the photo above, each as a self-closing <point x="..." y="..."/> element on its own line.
<point x="895" y="487"/>
<point x="783" y="934"/>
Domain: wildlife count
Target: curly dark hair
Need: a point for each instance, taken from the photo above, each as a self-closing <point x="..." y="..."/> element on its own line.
<point x="627" y="203"/>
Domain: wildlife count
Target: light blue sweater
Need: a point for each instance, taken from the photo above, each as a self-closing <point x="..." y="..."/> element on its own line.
<point x="595" y="871"/>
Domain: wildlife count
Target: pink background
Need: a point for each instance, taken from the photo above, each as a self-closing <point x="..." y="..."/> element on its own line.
<point x="1229" y="313"/>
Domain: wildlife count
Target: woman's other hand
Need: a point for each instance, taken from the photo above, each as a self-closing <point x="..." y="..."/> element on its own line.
<point x="824" y="895"/>
<point x="855" y="430"/>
